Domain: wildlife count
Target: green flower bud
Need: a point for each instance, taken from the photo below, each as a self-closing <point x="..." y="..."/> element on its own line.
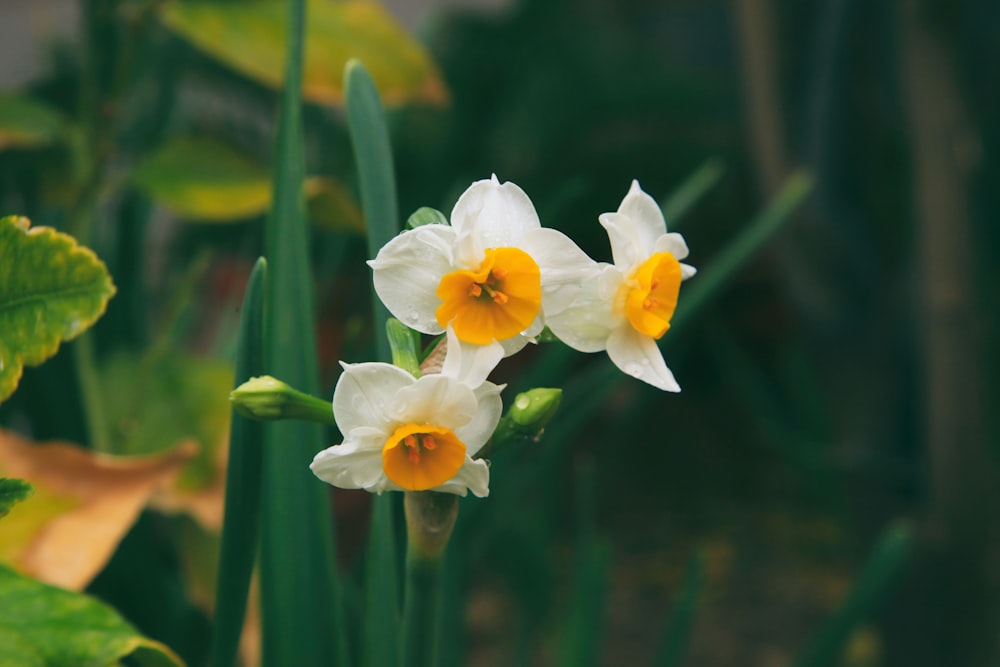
<point x="534" y="408"/>
<point x="268" y="399"/>
<point x="525" y="419"/>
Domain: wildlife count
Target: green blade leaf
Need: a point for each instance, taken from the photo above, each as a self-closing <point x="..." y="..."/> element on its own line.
<point x="243" y="475"/>
<point x="689" y="193"/>
<point x="49" y="627"/>
<point x="12" y="491"/>
<point x="27" y="123"/>
<point x="250" y="38"/>
<point x="302" y="622"/>
<point x="373" y="154"/>
<point x="51" y="290"/>
<point x="678" y="635"/>
<point x="883" y="568"/>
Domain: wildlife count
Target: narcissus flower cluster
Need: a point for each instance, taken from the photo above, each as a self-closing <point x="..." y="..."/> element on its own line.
<point x="492" y="280"/>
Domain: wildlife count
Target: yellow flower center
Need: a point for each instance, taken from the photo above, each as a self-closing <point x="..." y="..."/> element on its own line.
<point x="651" y="294"/>
<point x="418" y="457"/>
<point x="498" y="300"/>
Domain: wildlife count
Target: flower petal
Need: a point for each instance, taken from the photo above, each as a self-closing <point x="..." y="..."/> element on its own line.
<point x="408" y="270"/>
<point x="474" y="475"/>
<point x="470" y="364"/>
<point x="672" y="243"/>
<point x="437" y="400"/>
<point x="634" y="228"/>
<point x="484" y="422"/>
<point x="639" y="357"/>
<point x="355" y="464"/>
<point x="365" y="393"/>
<point x="588" y="321"/>
<point x="564" y="266"/>
<point x="496" y="215"/>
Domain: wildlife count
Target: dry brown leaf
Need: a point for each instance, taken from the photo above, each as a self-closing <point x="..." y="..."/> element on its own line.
<point x="205" y="503"/>
<point x="86" y="502"/>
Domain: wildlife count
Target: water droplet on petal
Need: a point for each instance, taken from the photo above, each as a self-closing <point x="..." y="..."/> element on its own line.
<point x="633" y="369"/>
<point x="358" y="402"/>
<point x="413" y="317"/>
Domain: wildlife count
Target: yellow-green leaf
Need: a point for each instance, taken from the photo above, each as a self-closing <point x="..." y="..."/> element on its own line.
<point x="51" y="290"/>
<point x="27" y="123"/>
<point x="45" y="626"/>
<point x="206" y="181"/>
<point x="250" y="37"/>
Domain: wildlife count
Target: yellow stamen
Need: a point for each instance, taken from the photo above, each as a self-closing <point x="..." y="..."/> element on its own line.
<point x="651" y="294"/>
<point x="418" y="457"/>
<point x="497" y="301"/>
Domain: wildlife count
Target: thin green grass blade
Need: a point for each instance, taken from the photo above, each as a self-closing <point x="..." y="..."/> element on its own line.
<point x="870" y="589"/>
<point x="373" y="157"/>
<point x="680" y="202"/>
<point x="581" y="638"/>
<point x="243" y="476"/>
<point x="302" y="621"/>
<point x="706" y="286"/>
<point x="678" y="635"/>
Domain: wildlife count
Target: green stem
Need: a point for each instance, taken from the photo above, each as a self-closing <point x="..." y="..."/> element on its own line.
<point x="430" y="518"/>
<point x="92" y="394"/>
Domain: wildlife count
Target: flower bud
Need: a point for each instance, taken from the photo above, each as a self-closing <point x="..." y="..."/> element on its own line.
<point x="268" y="399"/>
<point x="525" y="420"/>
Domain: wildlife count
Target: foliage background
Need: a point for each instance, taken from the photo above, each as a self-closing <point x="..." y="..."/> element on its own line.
<point x="842" y="381"/>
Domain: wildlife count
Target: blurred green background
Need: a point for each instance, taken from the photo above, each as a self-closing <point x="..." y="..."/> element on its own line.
<point x="841" y="382"/>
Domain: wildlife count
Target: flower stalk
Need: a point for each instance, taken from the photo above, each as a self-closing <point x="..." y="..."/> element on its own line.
<point x="430" y="518"/>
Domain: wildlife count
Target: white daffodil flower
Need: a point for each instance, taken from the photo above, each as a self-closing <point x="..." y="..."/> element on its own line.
<point x="626" y="307"/>
<point x="492" y="274"/>
<point x="407" y="434"/>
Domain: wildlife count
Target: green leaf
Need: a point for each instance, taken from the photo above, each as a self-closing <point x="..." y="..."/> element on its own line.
<point x="51" y="290"/>
<point x="678" y="635"/>
<point x="884" y="567"/>
<point x="26" y="123"/>
<point x="155" y="403"/>
<point x="373" y="154"/>
<point x="690" y="192"/>
<point x="241" y="528"/>
<point x="12" y="491"/>
<point x="250" y="38"/>
<point x="45" y="626"/>
<point x="205" y="181"/>
<point x="426" y="215"/>
<point x="302" y="622"/>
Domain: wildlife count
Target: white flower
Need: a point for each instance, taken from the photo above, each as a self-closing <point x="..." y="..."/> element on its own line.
<point x="492" y="274"/>
<point x="626" y="307"/>
<point x="407" y="434"/>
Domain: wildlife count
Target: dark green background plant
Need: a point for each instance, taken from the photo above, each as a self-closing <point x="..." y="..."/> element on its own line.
<point x="830" y="165"/>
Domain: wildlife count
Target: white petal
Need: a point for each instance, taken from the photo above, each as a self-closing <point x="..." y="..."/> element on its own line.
<point x="356" y="464"/>
<point x="687" y="271"/>
<point x="564" y="267"/>
<point x="672" y="243"/>
<point x="365" y="393"/>
<point x="634" y="228"/>
<point x="408" y="270"/>
<point x="515" y="344"/>
<point x="437" y="400"/>
<point x="587" y="322"/>
<point x="474" y="475"/>
<point x="470" y="364"/>
<point x="638" y="356"/>
<point x="480" y="429"/>
<point x="497" y="215"/>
